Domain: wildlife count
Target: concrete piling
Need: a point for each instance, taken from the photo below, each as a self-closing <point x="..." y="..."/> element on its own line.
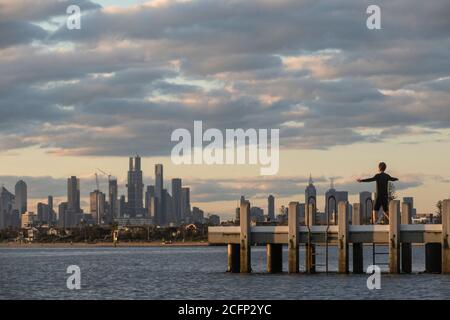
<point x="406" y="252"/>
<point x="233" y="258"/>
<point x="343" y="237"/>
<point x="245" y="241"/>
<point x="445" y="236"/>
<point x="293" y="253"/>
<point x="239" y="239"/>
<point x="394" y="236"/>
<point x="310" y="249"/>
<point x="274" y="257"/>
<point x="433" y="258"/>
<point x="357" y="247"/>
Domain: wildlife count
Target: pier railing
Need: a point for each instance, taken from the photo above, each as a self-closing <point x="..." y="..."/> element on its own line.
<point x="398" y="235"/>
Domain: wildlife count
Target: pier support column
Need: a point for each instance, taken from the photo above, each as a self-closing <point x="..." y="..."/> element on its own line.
<point x="357" y="248"/>
<point x="445" y="236"/>
<point x="233" y="258"/>
<point x="433" y="258"/>
<point x="274" y="257"/>
<point x="245" y="241"/>
<point x="406" y="246"/>
<point x="394" y="236"/>
<point x="343" y="237"/>
<point x="310" y="249"/>
<point x="293" y="253"/>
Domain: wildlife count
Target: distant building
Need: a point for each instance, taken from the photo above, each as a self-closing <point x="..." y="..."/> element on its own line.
<point x="73" y="194"/>
<point x="28" y="219"/>
<point x="256" y="214"/>
<point x="150" y="201"/>
<point x="197" y="215"/>
<point x="123" y="222"/>
<point x="214" y="219"/>
<point x="98" y="206"/>
<point x="169" y="218"/>
<point x="411" y="201"/>
<point x="160" y="199"/>
<point x="311" y="194"/>
<point x="63" y="217"/>
<point x="122" y="207"/>
<point x="186" y="204"/>
<point x="43" y="213"/>
<point x="135" y="188"/>
<point x="301" y="213"/>
<point x="51" y="212"/>
<point x="332" y="199"/>
<point x="74" y="213"/>
<point x="177" y="201"/>
<point x="21" y="196"/>
<point x="365" y="206"/>
<point x="113" y="209"/>
<point x="271" y="207"/>
<point x="9" y="216"/>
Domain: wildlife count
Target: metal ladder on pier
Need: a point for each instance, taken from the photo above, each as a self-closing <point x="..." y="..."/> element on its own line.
<point x="374" y="248"/>
<point x="313" y="255"/>
<point x="375" y="254"/>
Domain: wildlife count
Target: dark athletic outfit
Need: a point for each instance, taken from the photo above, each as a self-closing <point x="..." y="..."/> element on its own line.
<point x="382" y="180"/>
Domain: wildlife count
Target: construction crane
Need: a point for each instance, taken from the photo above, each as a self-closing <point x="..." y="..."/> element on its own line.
<point x="106" y="174"/>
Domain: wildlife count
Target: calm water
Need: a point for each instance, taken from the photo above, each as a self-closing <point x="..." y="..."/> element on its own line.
<point x="193" y="273"/>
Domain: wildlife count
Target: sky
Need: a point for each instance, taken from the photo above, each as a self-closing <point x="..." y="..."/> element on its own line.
<point x="343" y="97"/>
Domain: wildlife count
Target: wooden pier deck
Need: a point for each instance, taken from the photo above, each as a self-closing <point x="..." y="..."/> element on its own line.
<point x="398" y="235"/>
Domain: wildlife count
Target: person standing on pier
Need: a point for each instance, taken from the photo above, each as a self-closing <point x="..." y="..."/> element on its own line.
<point x="382" y="179"/>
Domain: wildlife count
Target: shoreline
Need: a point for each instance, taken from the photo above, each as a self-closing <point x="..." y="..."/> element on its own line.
<point x="102" y="244"/>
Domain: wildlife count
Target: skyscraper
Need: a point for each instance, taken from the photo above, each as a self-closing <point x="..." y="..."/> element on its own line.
<point x="168" y="217"/>
<point x="62" y="215"/>
<point x="332" y="199"/>
<point x="8" y="215"/>
<point x="365" y="206"/>
<point x="310" y="193"/>
<point x="113" y="211"/>
<point x="161" y="208"/>
<point x="97" y="205"/>
<point x="73" y="213"/>
<point x="150" y="201"/>
<point x="159" y="185"/>
<point x="122" y="207"/>
<point x="271" y="207"/>
<point x="135" y="188"/>
<point x="21" y="196"/>
<point x="51" y="213"/>
<point x="186" y="204"/>
<point x="73" y="194"/>
<point x="177" y="201"/>
<point x="42" y="212"/>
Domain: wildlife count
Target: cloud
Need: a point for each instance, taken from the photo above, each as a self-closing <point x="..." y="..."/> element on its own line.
<point x="131" y="75"/>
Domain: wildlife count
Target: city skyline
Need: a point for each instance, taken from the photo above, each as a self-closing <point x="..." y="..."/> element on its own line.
<point x="323" y="185"/>
<point x="344" y="97"/>
<point x="170" y="205"/>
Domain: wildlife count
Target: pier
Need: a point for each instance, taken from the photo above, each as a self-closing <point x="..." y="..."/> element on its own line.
<point x="398" y="235"/>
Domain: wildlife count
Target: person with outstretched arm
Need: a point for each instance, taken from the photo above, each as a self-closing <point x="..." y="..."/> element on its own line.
<point x="382" y="179"/>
